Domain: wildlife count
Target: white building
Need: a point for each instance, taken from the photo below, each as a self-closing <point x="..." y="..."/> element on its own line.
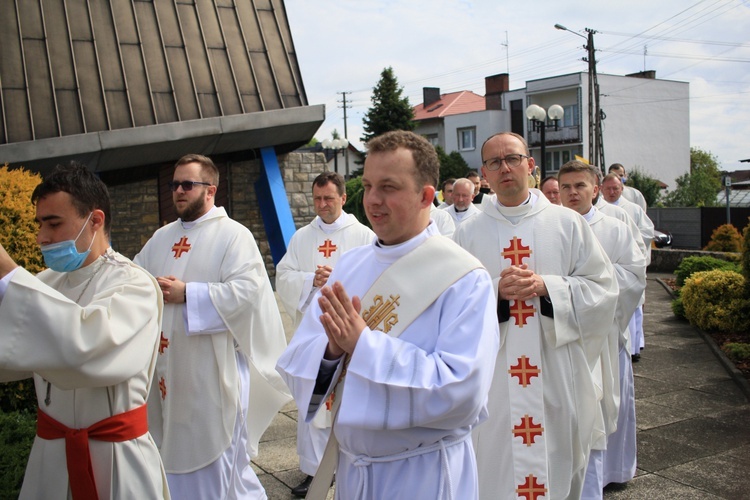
<point x="647" y="123"/>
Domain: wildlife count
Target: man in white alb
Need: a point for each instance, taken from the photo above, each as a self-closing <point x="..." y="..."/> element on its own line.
<point x="215" y="389"/>
<point x="579" y="189"/>
<point x="554" y="287"/>
<point x="631" y="194"/>
<point x="87" y="329"/>
<point x="417" y="346"/>
<point x="310" y="258"/>
<point x="462" y="208"/>
<point x="612" y="192"/>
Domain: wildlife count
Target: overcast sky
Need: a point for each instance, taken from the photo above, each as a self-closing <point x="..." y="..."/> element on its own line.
<point x="343" y="46"/>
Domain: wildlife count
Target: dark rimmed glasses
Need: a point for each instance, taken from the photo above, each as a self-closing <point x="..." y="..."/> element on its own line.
<point x="186" y="185"/>
<point x="511" y="160"/>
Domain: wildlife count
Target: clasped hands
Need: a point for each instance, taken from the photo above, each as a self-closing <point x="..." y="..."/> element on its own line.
<point x="341" y="320"/>
<point x="520" y="283"/>
<point x="172" y="289"/>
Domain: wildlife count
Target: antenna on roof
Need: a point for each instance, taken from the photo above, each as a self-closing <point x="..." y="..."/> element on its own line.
<point x="507" y="53"/>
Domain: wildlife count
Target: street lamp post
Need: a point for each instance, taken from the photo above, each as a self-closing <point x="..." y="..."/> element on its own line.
<point x="337" y="145"/>
<point x="727" y="193"/>
<point x="538" y="117"/>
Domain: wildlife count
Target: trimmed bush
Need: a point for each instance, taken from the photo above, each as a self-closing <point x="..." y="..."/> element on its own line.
<point x="17" y="430"/>
<point x="713" y="300"/>
<point x="737" y="351"/>
<point x="678" y="308"/>
<point x="725" y="238"/>
<point x="691" y="265"/>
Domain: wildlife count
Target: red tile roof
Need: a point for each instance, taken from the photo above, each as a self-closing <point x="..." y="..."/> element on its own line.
<point x="455" y="103"/>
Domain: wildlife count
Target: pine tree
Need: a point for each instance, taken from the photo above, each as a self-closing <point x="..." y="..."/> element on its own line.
<point x="389" y="111"/>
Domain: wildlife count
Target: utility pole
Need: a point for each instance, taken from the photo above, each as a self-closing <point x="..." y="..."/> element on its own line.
<point x="596" y="115"/>
<point x="346" y="134"/>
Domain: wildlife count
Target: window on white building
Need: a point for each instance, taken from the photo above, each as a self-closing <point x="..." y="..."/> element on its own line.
<point x="433" y="139"/>
<point x="570" y="118"/>
<point x="467" y="138"/>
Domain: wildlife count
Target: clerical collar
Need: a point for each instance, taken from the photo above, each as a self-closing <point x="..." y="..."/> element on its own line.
<point x="515" y="214"/>
<point x="191" y="224"/>
<point x="617" y="201"/>
<point x="588" y="215"/>
<point x="335" y="225"/>
<point x="390" y="253"/>
<point x="461" y="211"/>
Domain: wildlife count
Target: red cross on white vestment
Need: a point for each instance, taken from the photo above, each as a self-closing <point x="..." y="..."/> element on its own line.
<point x="531" y="489"/>
<point x="329" y="401"/>
<point x="516" y="252"/>
<point x="163" y="388"/>
<point x="528" y="430"/>
<point x="163" y="343"/>
<point x="327" y="248"/>
<point x="181" y="247"/>
<point x="521" y="310"/>
<point x="524" y="370"/>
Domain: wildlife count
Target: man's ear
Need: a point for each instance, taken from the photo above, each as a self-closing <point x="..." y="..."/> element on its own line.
<point x="428" y="194"/>
<point x="97" y="219"/>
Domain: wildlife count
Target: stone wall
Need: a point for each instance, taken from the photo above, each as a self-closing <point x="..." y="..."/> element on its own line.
<point x="666" y="260"/>
<point x="135" y="215"/>
<point x="135" y="206"/>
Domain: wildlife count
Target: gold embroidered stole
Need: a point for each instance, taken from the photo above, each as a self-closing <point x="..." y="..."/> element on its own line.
<point x="525" y="377"/>
<point x="411" y="280"/>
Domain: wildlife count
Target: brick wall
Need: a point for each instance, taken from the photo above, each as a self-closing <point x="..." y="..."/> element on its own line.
<point x="135" y="206"/>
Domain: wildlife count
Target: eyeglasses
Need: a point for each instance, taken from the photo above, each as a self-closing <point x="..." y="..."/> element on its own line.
<point x="185" y="185"/>
<point x="511" y="160"/>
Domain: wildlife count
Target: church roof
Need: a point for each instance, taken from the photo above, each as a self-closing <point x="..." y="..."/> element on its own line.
<point x="120" y="84"/>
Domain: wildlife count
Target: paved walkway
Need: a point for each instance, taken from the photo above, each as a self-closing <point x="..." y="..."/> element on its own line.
<point x="693" y="419"/>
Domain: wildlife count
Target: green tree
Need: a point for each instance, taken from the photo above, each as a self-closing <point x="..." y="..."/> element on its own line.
<point x="699" y="187"/>
<point x="647" y="185"/>
<point x="451" y="165"/>
<point x="389" y="111"/>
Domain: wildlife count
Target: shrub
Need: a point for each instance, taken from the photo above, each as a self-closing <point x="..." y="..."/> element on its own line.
<point x="713" y="300"/>
<point x="18" y="237"/>
<point x="725" y="238"/>
<point x="690" y="265"/>
<point x="737" y="351"/>
<point x="17" y="430"/>
<point x="746" y="257"/>
<point x="355" y="193"/>
<point x="678" y="308"/>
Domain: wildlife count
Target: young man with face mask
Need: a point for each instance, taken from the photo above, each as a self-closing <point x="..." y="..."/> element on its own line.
<point x="87" y="329"/>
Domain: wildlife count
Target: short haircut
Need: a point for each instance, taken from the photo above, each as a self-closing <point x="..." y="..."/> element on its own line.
<point x="512" y="134"/>
<point x="547" y="179"/>
<point x="616" y="166"/>
<point x="465" y="182"/>
<point x="332" y="177"/>
<point x="579" y="166"/>
<point x="426" y="161"/>
<point x="86" y="190"/>
<point x="450" y="181"/>
<point x="209" y="172"/>
<point x="612" y="177"/>
<point x="472" y="174"/>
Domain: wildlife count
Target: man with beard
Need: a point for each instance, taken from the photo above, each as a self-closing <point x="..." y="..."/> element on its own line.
<point x="221" y="336"/>
<point x="462" y="208"/>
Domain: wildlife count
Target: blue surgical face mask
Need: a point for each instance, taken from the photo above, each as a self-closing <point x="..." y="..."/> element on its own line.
<point x="63" y="256"/>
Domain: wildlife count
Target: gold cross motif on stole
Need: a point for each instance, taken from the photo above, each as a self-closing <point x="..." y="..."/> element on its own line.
<point x="382" y="311"/>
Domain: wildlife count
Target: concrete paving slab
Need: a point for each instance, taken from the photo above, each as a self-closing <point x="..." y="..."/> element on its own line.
<point x="652" y="486"/>
<point x="724" y="475"/>
<point x="656" y="453"/>
<point x="710" y="434"/>
<point x="650" y="415"/>
<point x="646" y="386"/>
<point x="692" y="375"/>
<point x="694" y="401"/>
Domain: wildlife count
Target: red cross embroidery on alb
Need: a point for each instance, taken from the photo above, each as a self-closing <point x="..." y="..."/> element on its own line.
<point x="527" y="430"/>
<point x="516" y="252"/>
<point x="521" y="310"/>
<point x="163" y="388"/>
<point x="327" y="248"/>
<point x="531" y="489"/>
<point x="163" y="343"/>
<point x="181" y="247"/>
<point x="524" y="370"/>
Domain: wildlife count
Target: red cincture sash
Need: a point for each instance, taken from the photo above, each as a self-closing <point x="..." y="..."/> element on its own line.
<point x="117" y="428"/>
